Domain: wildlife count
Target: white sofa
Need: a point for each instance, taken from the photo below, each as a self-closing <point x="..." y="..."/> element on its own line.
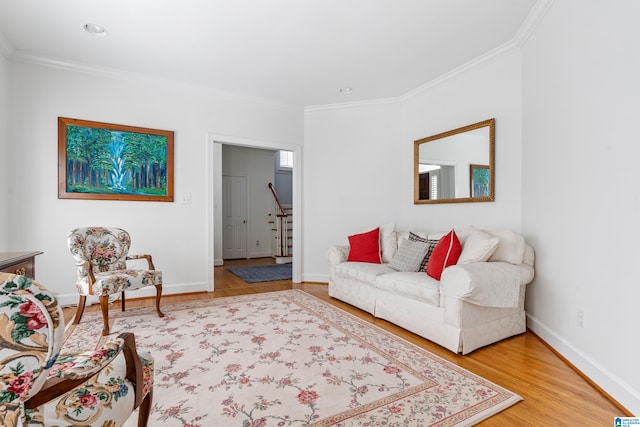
<point x="473" y="304"/>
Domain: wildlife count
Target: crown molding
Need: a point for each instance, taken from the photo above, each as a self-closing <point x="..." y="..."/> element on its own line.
<point x="354" y="104"/>
<point x="498" y="51"/>
<point x="50" y="62"/>
<point x="538" y="11"/>
<point x="116" y="74"/>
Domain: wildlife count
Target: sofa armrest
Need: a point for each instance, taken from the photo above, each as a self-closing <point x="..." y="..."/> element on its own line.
<point x="83" y="365"/>
<point x="488" y="284"/>
<point x="338" y="254"/>
<point x="74" y="369"/>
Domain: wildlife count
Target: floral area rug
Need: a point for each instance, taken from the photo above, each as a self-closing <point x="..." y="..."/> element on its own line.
<point x="289" y="359"/>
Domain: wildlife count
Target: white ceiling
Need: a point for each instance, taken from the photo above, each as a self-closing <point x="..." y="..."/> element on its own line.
<point x="296" y="52"/>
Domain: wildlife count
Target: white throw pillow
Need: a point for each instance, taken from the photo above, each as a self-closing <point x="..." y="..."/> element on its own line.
<point x="388" y="242"/>
<point x="478" y="247"/>
<point x="511" y="247"/>
<point x="465" y="232"/>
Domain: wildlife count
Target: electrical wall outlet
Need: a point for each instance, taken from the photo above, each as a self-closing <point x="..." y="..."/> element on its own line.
<point x="257" y="242"/>
<point x="580" y="318"/>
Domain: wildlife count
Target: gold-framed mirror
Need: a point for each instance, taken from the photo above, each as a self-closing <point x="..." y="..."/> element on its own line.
<point x="457" y="166"/>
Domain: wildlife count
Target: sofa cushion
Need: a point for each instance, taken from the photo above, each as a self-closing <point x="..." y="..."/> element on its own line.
<point x="510" y="248"/>
<point x="365" y="247"/>
<point x="446" y="253"/>
<point x="416" y="285"/>
<point x="432" y="244"/>
<point x="388" y="239"/>
<point x="362" y="271"/>
<point x="388" y="242"/>
<point x="465" y="232"/>
<point x="478" y="247"/>
<point x="409" y="256"/>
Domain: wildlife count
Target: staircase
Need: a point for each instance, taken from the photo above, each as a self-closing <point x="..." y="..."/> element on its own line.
<point x="282" y="230"/>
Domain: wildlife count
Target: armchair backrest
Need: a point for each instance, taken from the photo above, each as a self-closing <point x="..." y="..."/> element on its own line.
<point x="105" y="248"/>
<point x="31" y="336"/>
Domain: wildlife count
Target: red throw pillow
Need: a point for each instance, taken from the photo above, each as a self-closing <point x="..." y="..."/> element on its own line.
<point x="446" y="253"/>
<point x="365" y="247"/>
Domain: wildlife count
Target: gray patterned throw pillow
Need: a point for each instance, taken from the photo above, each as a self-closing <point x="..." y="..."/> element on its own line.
<point x="432" y="244"/>
<point x="409" y="256"/>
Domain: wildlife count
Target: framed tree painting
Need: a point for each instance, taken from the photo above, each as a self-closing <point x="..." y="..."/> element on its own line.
<point x="479" y="180"/>
<point x="105" y="161"/>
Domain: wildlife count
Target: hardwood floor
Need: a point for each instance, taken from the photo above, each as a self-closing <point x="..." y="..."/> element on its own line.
<point x="554" y="394"/>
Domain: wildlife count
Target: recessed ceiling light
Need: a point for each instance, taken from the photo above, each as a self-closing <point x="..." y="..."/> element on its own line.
<point x="346" y="90"/>
<point x="95" y="29"/>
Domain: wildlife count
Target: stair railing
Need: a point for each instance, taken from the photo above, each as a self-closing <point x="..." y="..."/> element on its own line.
<point x="282" y="226"/>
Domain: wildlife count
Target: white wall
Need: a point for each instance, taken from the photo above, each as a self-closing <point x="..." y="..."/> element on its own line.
<point x="580" y="97"/>
<point x="358" y="167"/>
<point x="4" y="153"/>
<point x="490" y="89"/>
<point x="257" y="166"/>
<point x="174" y="233"/>
<point x="351" y="174"/>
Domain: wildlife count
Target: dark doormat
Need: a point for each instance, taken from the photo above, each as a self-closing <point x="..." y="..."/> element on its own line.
<point x="263" y="273"/>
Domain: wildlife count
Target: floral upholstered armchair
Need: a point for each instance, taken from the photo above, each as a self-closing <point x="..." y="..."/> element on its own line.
<point x="41" y="387"/>
<point x="101" y="255"/>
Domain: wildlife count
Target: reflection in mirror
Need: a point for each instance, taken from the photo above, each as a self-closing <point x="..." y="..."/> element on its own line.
<point x="456" y="166"/>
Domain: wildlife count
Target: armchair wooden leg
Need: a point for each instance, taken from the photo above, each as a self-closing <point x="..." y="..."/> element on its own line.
<point x="104" y="307"/>
<point x="122" y="300"/>
<point x="80" y="309"/>
<point x="144" y="409"/>
<point x="158" y="295"/>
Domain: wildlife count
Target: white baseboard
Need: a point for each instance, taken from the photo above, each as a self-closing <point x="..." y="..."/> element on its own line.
<point x="322" y="278"/>
<point x="218" y="262"/>
<point x="261" y="254"/>
<point x="615" y="386"/>
<point x="66" y="300"/>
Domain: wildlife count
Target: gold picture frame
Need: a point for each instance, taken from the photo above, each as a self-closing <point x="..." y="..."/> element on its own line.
<point x="104" y="161"/>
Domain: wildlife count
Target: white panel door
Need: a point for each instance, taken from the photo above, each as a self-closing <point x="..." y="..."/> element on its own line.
<point x="234" y="217"/>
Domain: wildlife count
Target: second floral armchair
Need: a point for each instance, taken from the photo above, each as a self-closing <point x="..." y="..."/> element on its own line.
<point x="39" y="386"/>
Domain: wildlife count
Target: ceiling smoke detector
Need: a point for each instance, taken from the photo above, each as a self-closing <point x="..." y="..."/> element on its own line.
<point x="96" y="30"/>
<point x="346" y="90"/>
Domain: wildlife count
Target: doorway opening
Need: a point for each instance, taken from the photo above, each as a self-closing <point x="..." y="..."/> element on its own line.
<point x="259" y="201"/>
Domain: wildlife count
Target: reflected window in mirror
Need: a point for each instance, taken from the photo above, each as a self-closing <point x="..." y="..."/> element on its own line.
<point x="456" y="166"/>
